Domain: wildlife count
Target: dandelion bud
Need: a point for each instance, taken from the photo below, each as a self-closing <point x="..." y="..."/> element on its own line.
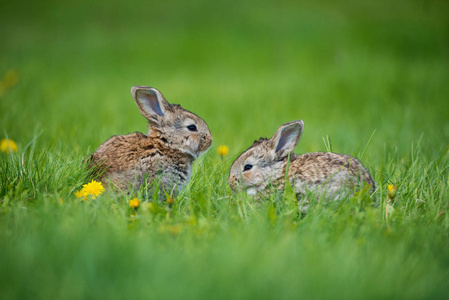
<point x="392" y="189"/>
<point x="134" y="203"/>
<point x="223" y="150"/>
<point x="8" y="145"/>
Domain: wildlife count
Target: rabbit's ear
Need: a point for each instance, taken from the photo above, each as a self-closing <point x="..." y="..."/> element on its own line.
<point x="286" y="138"/>
<point x="150" y="101"/>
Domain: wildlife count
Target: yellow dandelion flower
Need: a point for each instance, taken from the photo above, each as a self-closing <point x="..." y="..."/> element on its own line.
<point x="134" y="203"/>
<point x="8" y="145"/>
<point x="82" y="194"/>
<point x="223" y="150"/>
<point x="93" y="188"/>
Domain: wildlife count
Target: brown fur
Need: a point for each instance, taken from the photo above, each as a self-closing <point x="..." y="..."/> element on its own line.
<point x="331" y="173"/>
<point x="315" y="167"/>
<point x="165" y="154"/>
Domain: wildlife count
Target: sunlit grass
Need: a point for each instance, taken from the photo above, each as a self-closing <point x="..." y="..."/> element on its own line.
<point x="368" y="79"/>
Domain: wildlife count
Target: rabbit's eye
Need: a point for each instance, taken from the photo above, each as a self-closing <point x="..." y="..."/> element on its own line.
<point x="247" y="167"/>
<point x="192" y="128"/>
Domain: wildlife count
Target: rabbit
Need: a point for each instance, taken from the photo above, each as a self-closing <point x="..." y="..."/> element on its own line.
<point x="176" y="137"/>
<point x="264" y="164"/>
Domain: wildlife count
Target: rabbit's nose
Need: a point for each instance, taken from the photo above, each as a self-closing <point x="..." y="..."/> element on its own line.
<point x="206" y="140"/>
<point x="206" y="136"/>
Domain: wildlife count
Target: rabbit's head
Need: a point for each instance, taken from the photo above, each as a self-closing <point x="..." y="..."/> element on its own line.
<point x="265" y="160"/>
<point x="178" y="128"/>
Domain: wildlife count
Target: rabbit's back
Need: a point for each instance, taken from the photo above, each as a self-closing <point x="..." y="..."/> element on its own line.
<point x="121" y="152"/>
<point x="328" y="171"/>
<point x="128" y="159"/>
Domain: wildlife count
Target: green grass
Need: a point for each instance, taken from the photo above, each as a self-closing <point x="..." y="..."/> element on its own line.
<point x="368" y="79"/>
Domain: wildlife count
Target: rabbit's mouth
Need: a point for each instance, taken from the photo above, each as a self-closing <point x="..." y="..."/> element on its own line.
<point x="238" y="185"/>
<point x="193" y="155"/>
<point x="202" y="152"/>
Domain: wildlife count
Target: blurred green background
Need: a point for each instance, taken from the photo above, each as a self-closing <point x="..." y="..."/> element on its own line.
<point x="352" y="70"/>
<point x="345" y="68"/>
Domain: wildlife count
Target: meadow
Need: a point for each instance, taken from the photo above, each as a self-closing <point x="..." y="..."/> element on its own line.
<point x="369" y="78"/>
